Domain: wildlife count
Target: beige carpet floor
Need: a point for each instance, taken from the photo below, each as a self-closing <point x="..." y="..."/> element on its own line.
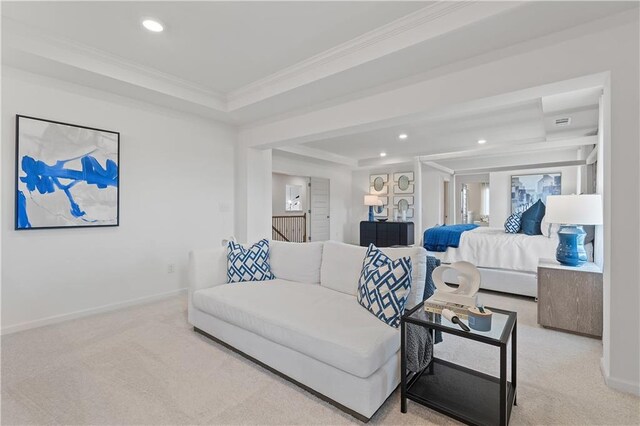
<point x="145" y="365"/>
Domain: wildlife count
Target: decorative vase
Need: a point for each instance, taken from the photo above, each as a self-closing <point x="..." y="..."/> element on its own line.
<point x="404" y="215"/>
<point x="570" y="249"/>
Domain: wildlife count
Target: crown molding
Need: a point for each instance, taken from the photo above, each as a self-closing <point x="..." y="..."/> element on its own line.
<point x="521" y="146"/>
<point x="417" y="27"/>
<point x="520" y="166"/>
<point x="319" y="154"/>
<point x="21" y="37"/>
<point x="440" y="167"/>
<point x="429" y="22"/>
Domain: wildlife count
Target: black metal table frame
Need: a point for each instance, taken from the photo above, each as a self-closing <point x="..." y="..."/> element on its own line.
<point x="510" y="330"/>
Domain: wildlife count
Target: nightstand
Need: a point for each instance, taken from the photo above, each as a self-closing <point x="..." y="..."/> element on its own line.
<point x="570" y="298"/>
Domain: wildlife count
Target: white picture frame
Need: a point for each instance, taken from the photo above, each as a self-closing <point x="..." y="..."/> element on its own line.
<point x="379" y="181"/>
<point x="384" y="176"/>
<point x="384" y="191"/>
<point x="396" y="176"/>
<point x="397" y="190"/>
<point x="396" y="200"/>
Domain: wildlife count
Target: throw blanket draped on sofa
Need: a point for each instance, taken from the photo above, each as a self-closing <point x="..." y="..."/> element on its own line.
<point x="442" y="237"/>
<point x="419" y="347"/>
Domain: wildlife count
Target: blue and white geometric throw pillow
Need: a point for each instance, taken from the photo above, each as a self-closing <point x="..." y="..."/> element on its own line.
<point x="250" y="264"/>
<point x="513" y="223"/>
<point x="384" y="285"/>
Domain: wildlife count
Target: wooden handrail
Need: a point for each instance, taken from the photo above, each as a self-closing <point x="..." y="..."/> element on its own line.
<point x="273" y="228"/>
<point x="292" y="228"/>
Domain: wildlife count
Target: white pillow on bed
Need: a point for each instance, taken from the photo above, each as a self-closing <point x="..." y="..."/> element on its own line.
<point x="549" y="230"/>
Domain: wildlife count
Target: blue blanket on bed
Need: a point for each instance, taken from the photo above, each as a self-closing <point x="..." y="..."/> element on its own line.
<point x="442" y="237"/>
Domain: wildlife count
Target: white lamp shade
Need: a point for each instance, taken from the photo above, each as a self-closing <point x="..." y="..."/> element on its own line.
<point x="372" y="200"/>
<point x="574" y="209"/>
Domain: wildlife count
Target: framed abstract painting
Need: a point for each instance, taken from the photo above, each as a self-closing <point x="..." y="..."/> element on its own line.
<point x="67" y="176"/>
<point x="527" y="189"/>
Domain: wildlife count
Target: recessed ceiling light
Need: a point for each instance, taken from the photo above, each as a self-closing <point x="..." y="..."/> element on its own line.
<point x="153" y="25"/>
<point x="383" y="154"/>
<point x="482" y="141"/>
<point x="403" y="136"/>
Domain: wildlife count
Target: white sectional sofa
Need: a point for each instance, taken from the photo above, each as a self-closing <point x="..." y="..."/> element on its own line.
<point x="306" y="325"/>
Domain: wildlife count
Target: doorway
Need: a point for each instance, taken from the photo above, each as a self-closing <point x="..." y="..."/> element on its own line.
<point x="320" y="210"/>
<point x="300" y="208"/>
<point x="290" y="206"/>
<point x="445" y="202"/>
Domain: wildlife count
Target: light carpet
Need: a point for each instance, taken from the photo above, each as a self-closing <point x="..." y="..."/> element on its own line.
<point x="145" y="365"/>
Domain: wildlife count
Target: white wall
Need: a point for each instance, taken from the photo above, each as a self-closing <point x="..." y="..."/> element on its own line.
<point x="252" y="193"/>
<point x="500" y="189"/>
<point x="340" y="199"/>
<point x="433" y="196"/>
<point x="176" y="194"/>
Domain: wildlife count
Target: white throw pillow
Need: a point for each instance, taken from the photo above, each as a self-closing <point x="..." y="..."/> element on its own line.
<point x="549" y="230"/>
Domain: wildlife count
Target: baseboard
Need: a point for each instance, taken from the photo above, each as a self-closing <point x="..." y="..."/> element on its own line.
<point x="87" y="312"/>
<point x="618" y="384"/>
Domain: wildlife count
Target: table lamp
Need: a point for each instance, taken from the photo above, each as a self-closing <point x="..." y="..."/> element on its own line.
<point x="573" y="211"/>
<point x="372" y="200"/>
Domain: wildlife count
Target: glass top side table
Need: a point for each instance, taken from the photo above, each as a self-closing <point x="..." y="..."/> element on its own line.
<point x="464" y="394"/>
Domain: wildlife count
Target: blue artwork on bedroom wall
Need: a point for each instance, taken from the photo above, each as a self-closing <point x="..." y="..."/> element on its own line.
<point x="67" y="176"/>
<point x="527" y="189"/>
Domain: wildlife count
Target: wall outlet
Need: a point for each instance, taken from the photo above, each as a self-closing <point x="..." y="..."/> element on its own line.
<point x="171" y="268"/>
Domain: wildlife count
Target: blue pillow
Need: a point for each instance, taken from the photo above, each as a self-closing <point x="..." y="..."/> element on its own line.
<point x="513" y="223"/>
<point x="384" y="285"/>
<point x="532" y="219"/>
<point x="250" y="264"/>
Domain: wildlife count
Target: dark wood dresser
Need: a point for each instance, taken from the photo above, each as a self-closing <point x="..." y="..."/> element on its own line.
<point x="386" y="234"/>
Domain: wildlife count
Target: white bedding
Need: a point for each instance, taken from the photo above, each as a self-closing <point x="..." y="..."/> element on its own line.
<point x="494" y="248"/>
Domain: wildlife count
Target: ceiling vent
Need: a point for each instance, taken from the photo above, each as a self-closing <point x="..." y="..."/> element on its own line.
<point x="563" y="121"/>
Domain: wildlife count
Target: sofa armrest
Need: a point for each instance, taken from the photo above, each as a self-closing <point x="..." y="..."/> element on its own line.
<point x="207" y="268"/>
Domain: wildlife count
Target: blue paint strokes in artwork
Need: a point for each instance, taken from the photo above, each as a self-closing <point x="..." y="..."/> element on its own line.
<point x="46" y="178"/>
<point x="23" y="218"/>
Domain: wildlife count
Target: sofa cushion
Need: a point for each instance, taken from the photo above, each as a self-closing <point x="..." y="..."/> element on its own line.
<point x="324" y="324"/>
<point x="250" y="264"/>
<point x="298" y="262"/>
<point x="342" y="265"/>
<point x="384" y="285"/>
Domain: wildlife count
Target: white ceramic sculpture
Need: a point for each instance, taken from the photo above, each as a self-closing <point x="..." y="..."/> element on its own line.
<point x="465" y="293"/>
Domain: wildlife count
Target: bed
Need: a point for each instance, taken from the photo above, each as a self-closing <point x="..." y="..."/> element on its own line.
<point x="508" y="262"/>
